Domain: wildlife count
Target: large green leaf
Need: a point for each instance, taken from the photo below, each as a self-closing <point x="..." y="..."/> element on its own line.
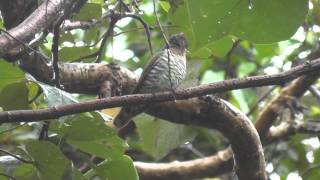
<point x="218" y="48"/>
<point x="158" y="137"/>
<point x="90" y="135"/>
<point x="49" y="160"/>
<point x="9" y="73"/>
<point x="209" y="20"/>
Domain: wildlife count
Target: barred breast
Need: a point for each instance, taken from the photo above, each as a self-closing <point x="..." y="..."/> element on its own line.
<point x="158" y="77"/>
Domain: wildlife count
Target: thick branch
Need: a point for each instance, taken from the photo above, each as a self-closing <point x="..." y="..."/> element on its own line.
<point x="285" y="129"/>
<point x="294" y="90"/>
<point x="40" y="19"/>
<point x="204" y="167"/>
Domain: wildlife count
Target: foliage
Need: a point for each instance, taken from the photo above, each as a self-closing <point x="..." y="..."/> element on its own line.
<point x="228" y="39"/>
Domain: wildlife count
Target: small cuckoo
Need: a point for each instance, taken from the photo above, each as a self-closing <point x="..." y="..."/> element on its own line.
<point x="157" y="76"/>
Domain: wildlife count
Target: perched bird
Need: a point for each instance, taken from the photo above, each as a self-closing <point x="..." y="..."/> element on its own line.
<point x="157" y="76"/>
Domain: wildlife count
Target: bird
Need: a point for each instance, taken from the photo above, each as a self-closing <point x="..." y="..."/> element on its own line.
<point x="157" y="76"/>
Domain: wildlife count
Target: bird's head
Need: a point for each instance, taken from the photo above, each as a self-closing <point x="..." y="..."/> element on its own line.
<point x="179" y="42"/>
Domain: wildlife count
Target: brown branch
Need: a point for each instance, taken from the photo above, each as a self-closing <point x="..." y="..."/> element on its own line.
<point x="286" y="129"/>
<point x="186" y="170"/>
<point x="232" y="84"/>
<point x="227" y="120"/>
<point x="214" y="165"/>
<point x="271" y="111"/>
<point x="40" y="19"/>
<point x="254" y="81"/>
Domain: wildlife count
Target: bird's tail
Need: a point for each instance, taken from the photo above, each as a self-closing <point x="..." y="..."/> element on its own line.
<point x="123" y="121"/>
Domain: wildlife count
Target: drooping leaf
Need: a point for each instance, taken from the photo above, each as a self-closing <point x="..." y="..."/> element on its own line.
<point x="49" y="160"/>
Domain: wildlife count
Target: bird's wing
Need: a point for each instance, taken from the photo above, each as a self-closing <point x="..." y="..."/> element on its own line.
<point x="147" y="68"/>
<point x="127" y="112"/>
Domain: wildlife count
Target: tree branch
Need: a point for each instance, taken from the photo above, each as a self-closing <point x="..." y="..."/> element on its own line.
<point x="40" y="19"/>
<point x="232" y="84"/>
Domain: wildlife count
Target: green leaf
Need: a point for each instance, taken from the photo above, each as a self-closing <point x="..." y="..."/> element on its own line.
<point x="72" y="53"/>
<point x="67" y="36"/>
<point x="14" y="96"/>
<point x="218" y="48"/>
<point x="245" y="68"/>
<point x="209" y="20"/>
<point x="49" y="160"/>
<point x="165" y="5"/>
<point x="239" y="96"/>
<point x="90" y="135"/>
<point x="33" y="90"/>
<point x="89" y="11"/>
<point x="82" y="127"/>
<point x="54" y="96"/>
<point x="110" y="148"/>
<point x="121" y="168"/>
<point x="158" y="137"/>
<point x="24" y="171"/>
<point x="9" y="74"/>
<point x="91" y="35"/>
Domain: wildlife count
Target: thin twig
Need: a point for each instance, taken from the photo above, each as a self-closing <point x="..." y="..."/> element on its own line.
<point x="94" y="54"/>
<point x="159" y="24"/>
<point x="16" y="157"/>
<point x="145" y="26"/>
<point x="109" y="33"/>
<point x="142" y="28"/>
<point x="167" y="44"/>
